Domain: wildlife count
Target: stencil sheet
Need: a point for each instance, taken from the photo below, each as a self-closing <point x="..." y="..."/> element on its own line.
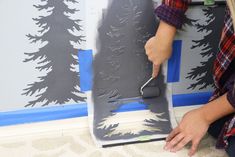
<point x="120" y="68"/>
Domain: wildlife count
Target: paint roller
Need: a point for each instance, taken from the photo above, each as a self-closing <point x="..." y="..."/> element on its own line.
<point x="149" y="91"/>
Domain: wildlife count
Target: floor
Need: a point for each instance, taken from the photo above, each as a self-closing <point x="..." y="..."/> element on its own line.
<point x="36" y="140"/>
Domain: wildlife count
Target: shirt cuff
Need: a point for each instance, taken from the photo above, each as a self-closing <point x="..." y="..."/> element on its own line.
<point x="170" y="15"/>
<point x="230" y="87"/>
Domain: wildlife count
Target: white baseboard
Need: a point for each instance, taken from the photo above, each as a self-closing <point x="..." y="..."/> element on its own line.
<point x="60" y="126"/>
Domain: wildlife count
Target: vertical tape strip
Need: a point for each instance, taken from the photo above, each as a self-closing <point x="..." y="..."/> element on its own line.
<point x="173" y="72"/>
<point x="85" y="58"/>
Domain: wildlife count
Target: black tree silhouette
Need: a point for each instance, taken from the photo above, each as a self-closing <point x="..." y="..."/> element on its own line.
<point x="209" y="47"/>
<point x="58" y="57"/>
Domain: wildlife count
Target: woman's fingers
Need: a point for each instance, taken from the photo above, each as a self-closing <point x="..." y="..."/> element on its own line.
<point x="194" y="147"/>
<point x="172" y="134"/>
<point x="174" y="141"/>
<point x="156" y="69"/>
<point x="181" y="144"/>
<point x="179" y="141"/>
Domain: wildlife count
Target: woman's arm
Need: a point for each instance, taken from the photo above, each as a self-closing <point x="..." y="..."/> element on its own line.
<point x="217" y="109"/>
<point x="171" y="15"/>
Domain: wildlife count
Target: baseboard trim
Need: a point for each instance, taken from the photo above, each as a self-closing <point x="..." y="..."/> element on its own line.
<point x="43" y="127"/>
<point x="60" y="126"/>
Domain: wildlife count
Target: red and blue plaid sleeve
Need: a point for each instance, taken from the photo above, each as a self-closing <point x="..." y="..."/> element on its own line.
<point x="172" y="11"/>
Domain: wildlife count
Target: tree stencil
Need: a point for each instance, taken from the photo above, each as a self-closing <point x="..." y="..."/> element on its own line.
<point x="58" y="57"/>
<point x="121" y="67"/>
<point x="202" y="74"/>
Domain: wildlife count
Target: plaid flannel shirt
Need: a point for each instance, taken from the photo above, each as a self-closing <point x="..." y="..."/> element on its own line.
<point x="173" y="12"/>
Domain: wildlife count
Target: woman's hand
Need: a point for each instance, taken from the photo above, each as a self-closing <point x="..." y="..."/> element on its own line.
<point x="158" y="51"/>
<point x="159" y="47"/>
<point x="192" y="128"/>
<point x="195" y="124"/>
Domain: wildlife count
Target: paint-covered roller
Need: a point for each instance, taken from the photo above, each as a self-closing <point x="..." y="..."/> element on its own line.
<point x="150" y="91"/>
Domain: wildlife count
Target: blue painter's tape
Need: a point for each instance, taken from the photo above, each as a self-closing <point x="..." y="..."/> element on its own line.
<point x="42" y="114"/>
<point x="57" y="113"/>
<point x="85" y="58"/>
<point x="132" y="106"/>
<point x="191" y="99"/>
<point x="173" y="72"/>
<point x="80" y="110"/>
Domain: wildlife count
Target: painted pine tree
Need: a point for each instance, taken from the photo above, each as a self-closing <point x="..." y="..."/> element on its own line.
<point x="209" y="47"/>
<point x="58" y="57"/>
